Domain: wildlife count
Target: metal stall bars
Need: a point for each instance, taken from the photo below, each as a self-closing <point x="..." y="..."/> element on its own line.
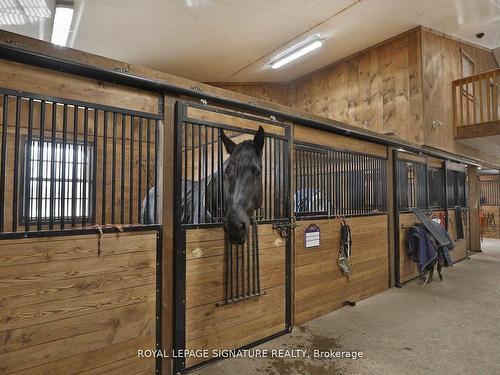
<point x="412" y="185"/>
<point x="333" y="182"/>
<point x="200" y="158"/>
<point x="55" y="166"/>
<point x="66" y="172"/>
<point x="490" y="192"/>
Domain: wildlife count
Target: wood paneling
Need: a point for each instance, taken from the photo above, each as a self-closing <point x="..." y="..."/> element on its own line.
<point x="23" y="77"/>
<point x="271" y="92"/>
<point x="66" y="309"/>
<point x="379" y="89"/>
<point x="318" y="283"/>
<point x="441" y="64"/>
<point x="234" y="325"/>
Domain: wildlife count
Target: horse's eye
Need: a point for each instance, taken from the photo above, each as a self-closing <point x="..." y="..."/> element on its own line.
<point x="256" y="171"/>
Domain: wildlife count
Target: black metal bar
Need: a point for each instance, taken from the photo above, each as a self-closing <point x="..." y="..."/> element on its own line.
<point x="205" y="173"/>
<point x="199" y="150"/>
<point x="94" y="166"/>
<point x="74" y="232"/>
<point x="192" y="220"/>
<point x="75" y="165"/>
<point x="212" y="180"/>
<point x="148" y="162"/>
<point x="27" y="184"/>
<point x="104" y="166"/>
<point x="3" y="166"/>
<point x="395" y="187"/>
<point x="131" y="173"/>
<point x="139" y="174"/>
<point x="156" y="148"/>
<point x="445" y="182"/>
<point x="256" y="245"/>
<point x="52" y="166"/>
<point x="269" y="215"/>
<point x="159" y="290"/>
<point x="113" y="171"/>
<point x="64" y="151"/>
<point x="15" y="187"/>
<point x="184" y="127"/>
<point x="41" y="144"/>
<point x="248" y="292"/>
<point x="85" y="165"/>
<point x="221" y="173"/>
<point x="179" y="269"/>
<point x="122" y="173"/>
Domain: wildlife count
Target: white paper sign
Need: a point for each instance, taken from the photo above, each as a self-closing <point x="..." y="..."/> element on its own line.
<point x="312" y="236"/>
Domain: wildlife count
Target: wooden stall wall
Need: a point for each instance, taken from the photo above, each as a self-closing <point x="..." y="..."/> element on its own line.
<point x="319" y="286"/>
<point x="441" y="64"/>
<point x="269" y="91"/>
<point x="378" y="89"/>
<point x="65" y="309"/>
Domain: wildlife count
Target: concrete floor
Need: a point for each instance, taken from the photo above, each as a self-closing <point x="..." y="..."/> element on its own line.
<point x="448" y="327"/>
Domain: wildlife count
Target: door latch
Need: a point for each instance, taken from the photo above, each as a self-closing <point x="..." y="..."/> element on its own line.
<point x="283" y="228"/>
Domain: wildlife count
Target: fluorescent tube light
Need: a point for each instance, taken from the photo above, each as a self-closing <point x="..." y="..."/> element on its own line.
<point x="62" y="23"/>
<point x="294" y="55"/>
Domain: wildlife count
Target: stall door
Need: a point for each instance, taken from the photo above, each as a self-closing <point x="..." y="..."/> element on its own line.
<point x="228" y="296"/>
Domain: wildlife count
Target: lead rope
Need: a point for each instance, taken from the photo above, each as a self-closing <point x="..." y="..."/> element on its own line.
<point x="344" y="260"/>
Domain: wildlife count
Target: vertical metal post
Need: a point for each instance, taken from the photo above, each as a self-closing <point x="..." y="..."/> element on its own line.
<point x="27" y="190"/>
<point x="395" y="187"/>
<point x="131" y="173"/>
<point x="148" y="176"/>
<point x="3" y="166"/>
<point x="75" y="166"/>
<point x="15" y="187"/>
<point x="113" y="171"/>
<point x="122" y="173"/>
<point x="104" y="166"/>
<point x="52" y="165"/>
<point x="85" y="165"/>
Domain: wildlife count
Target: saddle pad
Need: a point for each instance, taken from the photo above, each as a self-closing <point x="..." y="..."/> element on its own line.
<point x="437" y="234"/>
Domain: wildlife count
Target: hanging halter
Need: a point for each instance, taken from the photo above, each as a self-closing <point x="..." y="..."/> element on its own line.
<point x="344" y="260"/>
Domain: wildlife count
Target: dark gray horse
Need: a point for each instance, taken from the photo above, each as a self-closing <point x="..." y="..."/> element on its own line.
<point x="242" y="190"/>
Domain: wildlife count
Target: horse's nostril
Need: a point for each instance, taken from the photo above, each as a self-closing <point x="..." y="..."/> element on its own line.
<point x="242" y="225"/>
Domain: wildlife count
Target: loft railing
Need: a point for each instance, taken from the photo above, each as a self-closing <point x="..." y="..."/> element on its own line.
<point x="476" y="102"/>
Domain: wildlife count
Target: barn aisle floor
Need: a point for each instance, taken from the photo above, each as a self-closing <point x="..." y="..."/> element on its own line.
<point x="443" y="328"/>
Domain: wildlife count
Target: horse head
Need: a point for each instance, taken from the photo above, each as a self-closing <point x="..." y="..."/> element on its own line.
<point x="242" y="184"/>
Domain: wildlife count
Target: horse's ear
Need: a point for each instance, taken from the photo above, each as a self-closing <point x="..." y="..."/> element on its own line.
<point x="228" y="143"/>
<point x="258" y="140"/>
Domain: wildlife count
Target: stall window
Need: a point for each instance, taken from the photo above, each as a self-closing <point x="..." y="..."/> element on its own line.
<point x="55" y="173"/>
<point x="436" y="187"/>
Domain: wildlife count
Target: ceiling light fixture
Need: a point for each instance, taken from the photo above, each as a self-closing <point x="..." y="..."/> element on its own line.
<point x="297" y="51"/>
<point x="62" y="23"/>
